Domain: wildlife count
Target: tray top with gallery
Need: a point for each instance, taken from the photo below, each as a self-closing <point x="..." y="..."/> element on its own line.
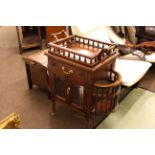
<point x="83" y="50"/>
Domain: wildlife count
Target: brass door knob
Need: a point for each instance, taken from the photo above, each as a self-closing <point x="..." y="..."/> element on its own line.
<point x="68" y="90"/>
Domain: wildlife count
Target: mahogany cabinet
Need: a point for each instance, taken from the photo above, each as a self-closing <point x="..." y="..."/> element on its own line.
<point x="74" y="65"/>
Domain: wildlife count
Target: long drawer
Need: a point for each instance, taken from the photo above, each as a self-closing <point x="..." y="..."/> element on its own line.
<point x="64" y="70"/>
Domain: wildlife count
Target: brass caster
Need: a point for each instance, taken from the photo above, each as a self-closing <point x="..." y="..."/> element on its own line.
<point x="53" y="114"/>
<point x="114" y="110"/>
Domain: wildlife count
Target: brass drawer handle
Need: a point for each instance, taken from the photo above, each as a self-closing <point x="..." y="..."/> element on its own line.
<point x="67" y="72"/>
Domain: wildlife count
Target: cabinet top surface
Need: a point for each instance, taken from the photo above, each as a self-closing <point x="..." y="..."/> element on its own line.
<point x="85" y="50"/>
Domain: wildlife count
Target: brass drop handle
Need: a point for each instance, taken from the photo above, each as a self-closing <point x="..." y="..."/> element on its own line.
<point x="67" y="72"/>
<point x="68" y="90"/>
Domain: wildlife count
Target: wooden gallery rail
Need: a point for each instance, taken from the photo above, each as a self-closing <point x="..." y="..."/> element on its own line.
<point x="82" y="76"/>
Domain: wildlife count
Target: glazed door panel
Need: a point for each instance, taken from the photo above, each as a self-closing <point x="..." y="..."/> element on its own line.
<point x="77" y="96"/>
<point x="60" y="88"/>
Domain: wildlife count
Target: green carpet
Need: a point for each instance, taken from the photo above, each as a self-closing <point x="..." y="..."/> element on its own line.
<point x="137" y="110"/>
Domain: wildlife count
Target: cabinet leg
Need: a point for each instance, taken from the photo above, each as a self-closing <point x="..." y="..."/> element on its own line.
<point x="53" y="108"/>
<point x="49" y="94"/>
<point x="41" y="47"/>
<point x="21" y="50"/>
<point x="115" y="109"/>
<point x="30" y="84"/>
<point x="88" y="124"/>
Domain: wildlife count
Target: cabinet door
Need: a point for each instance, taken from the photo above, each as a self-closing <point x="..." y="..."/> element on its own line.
<point x="77" y="96"/>
<point x="69" y="92"/>
<point x="58" y="80"/>
<point x="61" y="87"/>
<point x="68" y="83"/>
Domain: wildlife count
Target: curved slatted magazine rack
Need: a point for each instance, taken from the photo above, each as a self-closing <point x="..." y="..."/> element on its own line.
<point x="83" y="50"/>
<point x="10" y="122"/>
<point x="106" y="92"/>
